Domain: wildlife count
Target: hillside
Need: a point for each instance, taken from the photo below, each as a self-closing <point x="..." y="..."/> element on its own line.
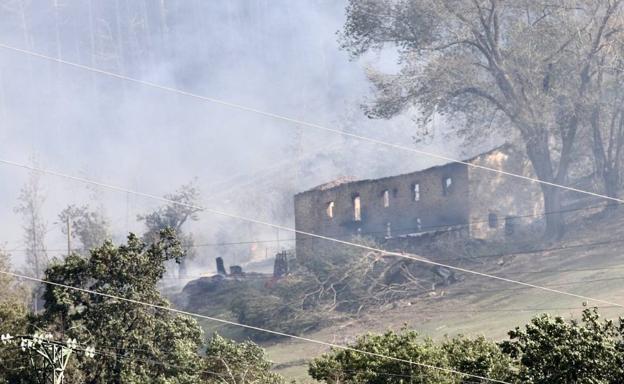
<point x="587" y="261"/>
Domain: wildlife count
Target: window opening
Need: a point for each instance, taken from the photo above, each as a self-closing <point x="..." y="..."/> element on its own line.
<point x="416" y="191"/>
<point x="447" y="184"/>
<point x="510" y="225"/>
<point x="386" y="198"/>
<point x="330" y="209"/>
<point x="493" y="220"/>
<point x="357" y="208"/>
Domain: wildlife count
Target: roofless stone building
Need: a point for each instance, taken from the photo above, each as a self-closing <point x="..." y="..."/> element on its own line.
<point x="472" y="203"/>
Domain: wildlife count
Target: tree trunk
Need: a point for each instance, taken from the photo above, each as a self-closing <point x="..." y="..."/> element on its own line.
<point x="552" y="210"/>
<point x="606" y="160"/>
<point x="539" y="154"/>
<point x="611" y="183"/>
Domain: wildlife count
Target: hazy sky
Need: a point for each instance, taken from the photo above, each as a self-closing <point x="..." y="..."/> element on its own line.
<point x="277" y="55"/>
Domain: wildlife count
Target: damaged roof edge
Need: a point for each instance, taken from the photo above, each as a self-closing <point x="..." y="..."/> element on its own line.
<point x="344" y="180"/>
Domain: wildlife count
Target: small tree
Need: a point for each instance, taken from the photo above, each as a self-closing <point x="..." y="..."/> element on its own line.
<point x="87" y="226"/>
<point x="174" y="215"/>
<point x="30" y="203"/>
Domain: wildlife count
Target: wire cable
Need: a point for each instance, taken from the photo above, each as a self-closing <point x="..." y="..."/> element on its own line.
<point x="423" y="228"/>
<point x="294" y="230"/>
<point x="300" y="122"/>
<point x="251" y="327"/>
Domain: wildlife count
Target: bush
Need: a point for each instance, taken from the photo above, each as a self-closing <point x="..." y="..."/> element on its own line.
<point x="237" y="363"/>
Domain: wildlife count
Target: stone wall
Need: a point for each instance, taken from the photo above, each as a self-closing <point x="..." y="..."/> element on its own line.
<point x="501" y="205"/>
<point x="388" y="207"/>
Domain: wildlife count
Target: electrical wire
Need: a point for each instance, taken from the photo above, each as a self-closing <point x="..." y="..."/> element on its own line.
<point x="417" y="258"/>
<point x="276" y="333"/>
<point x="423" y="229"/>
<point x="341" y="132"/>
<point x="300" y="122"/>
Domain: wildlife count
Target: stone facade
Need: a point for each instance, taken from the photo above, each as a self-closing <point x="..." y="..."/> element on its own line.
<point x="477" y="203"/>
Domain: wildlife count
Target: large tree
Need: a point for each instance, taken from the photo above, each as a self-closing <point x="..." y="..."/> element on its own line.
<point x="523" y="69"/>
<point x="551" y="350"/>
<point x="138" y="343"/>
<point x="606" y="120"/>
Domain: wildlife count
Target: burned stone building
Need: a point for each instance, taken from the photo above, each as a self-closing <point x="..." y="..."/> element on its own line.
<point x="473" y="203"/>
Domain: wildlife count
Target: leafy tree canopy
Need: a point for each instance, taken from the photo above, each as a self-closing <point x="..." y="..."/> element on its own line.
<point x="134" y="337"/>
<point x="229" y="362"/>
<point x="547" y="350"/>
<point x="552" y="350"/>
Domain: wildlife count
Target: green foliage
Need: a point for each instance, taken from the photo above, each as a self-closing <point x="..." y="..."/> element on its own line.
<point x="480" y="357"/>
<point x="549" y="350"/>
<point x="139" y="343"/>
<point x="477" y="356"/>
<point x="253" y="301"/>
<point x="14" y="321"/>
<point x="346" y="366"/>
<point x="173" y="215"/>
<point x="552" y="350"/>
<point x="134" y="343"/>
<point x="13" y="364"/>
<point x="237" y="363"/>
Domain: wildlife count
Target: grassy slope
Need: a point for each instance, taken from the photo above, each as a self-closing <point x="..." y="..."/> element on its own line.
<point x="478" y="305"/>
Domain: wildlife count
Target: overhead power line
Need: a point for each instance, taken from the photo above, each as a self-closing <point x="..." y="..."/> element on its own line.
<point x="180" y="368"/>
<point x="417" y="258"/>
<point x="566" y="283"/>
<point x="300" y="122"/>
<point x="424" y="229"/>
<point x="254" y="328"/>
